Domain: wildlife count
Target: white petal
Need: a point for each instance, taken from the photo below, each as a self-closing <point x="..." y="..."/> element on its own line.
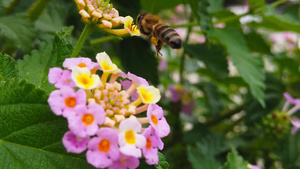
<point x="130" y="124"/>
<point x="131" y="150"/>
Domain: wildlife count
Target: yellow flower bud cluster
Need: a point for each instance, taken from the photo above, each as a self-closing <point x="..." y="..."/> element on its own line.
<point x="99" y="12"/>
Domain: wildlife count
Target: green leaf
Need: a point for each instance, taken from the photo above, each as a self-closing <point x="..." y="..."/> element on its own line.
<point x="200" y="11"/>
<point x="31" y="135"/>
<point x="257" y="43"/>
<point x="213" y="56"/>
<point x="213" y="98"/>
<point x="234" y="161"/>
<point x="162" y="164"/>
<point x="138" y="58"/>
<point x="278" y="22"/>
<point x="273" y="95"/>
<point x="228" y="17"/>
<point x="199" y="160"/>
<point x="251" y="68"/>
<point x="65" y="32"/>
<point x="35" y="68"/>
<point x="155" y="6"/>
<point x="291" y="11"/>
<point x="215" y="5"/>
<point x="256" y="5"/>
<point x="289" y="151"/>
<point x="17" y="31"/>
<point x="8" y="68"/>
<point x="53" y="18"/>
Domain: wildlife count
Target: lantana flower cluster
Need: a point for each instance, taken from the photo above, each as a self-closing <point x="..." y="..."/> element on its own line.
<point x="101" y="113"/>
<point x="102" y="14"/>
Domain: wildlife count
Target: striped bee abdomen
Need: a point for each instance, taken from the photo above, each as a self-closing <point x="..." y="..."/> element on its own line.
<point x="167" y="35"/>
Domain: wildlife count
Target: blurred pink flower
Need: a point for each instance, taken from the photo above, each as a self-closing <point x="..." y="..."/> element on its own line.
<point x="163" y="65"/>
<point x="296" y="125"/>
<point x="64" y="101"/>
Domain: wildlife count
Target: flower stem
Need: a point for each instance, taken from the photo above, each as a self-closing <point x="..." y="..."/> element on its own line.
<point x="11" y="6"/>
<point x="104" y="39"/>
<point x="276" y="3"/>
<point x="36" y="10"/>
<point x="87" y="31"/>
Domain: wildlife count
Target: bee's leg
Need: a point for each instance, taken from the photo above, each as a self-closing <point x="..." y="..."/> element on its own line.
<point x="158" y="48"/>
<point x="158" y="45"/>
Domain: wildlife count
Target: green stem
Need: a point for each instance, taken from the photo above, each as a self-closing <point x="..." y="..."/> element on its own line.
<point x="37" y="8"/>
<point x="87" y="31"/>
<point x="182" y="60"/>
<point x="279" y="2"/>
<point x="11" y="6"/>
<point x="105" y="39"/>
<point x="231" y="18"/>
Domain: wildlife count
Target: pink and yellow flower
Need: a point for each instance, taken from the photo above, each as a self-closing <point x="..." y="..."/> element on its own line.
<point x="81" y="62"/>
<point x="130" y="140"/>
<point x="84" y="79"/>
<point x="150" y="151"/>
<point x="103" y="149"/>
<point x="157" y="120"/>
<point x="86" y="120"/>
<point x="63" y="102"/>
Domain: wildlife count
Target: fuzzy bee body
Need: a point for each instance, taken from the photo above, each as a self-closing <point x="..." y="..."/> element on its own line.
<point x="159" y="32"/>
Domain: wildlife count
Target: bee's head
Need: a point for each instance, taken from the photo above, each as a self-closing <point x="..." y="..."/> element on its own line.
<point x="139" y="19"/>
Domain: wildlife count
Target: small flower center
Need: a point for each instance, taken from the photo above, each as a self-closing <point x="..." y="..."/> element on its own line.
<point x="87" y="119"/>
<point x="85" y="80"/>
<point x="81" y="65"/>
<point x="104" y="145"/>
<point x="67" y="81"/>
<point x="114" y="101"/>
<point x="70" y="101"/>
<point x="146" y="96"/>
<point x="130" y="137"/>
<point x="79" y="139"/>
<point x="154" y="119"/>
<point x="123" y="161"/>
<point x="149" y="144"/>
<point x="106" y="67"/>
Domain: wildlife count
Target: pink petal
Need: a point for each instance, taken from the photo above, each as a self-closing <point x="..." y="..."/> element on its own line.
<point x="163" y="128"/>
<point x="56" y="102"/>
<point x="152" y="156"/>
<point x="137" y="79"/>
<point x="54" y="74"/>
<point x="109" y="134"/>
<point x="98" y="159"/>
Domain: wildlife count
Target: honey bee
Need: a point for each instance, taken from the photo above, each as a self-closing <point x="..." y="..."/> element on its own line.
<point x="159" y="32"/>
